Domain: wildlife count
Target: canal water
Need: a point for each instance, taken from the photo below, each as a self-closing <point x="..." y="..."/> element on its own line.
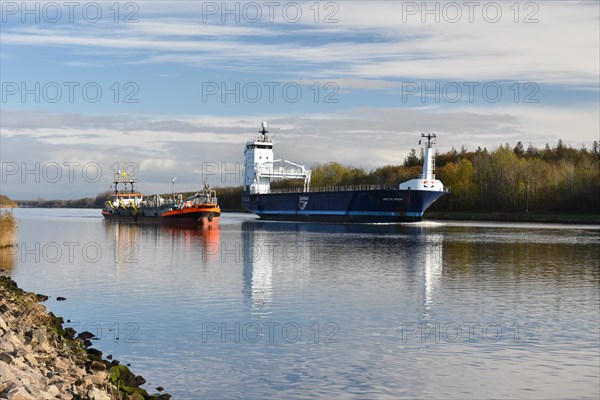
<point x="290" y="310"/>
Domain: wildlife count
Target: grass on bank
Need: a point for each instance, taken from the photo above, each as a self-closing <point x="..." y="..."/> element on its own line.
<point x="6" y="202"/>
<point x="8" y="228"/>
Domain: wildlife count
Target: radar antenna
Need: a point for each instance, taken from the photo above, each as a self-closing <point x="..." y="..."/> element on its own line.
<point x="430" y="139"/>
<point x="264" y="131"/>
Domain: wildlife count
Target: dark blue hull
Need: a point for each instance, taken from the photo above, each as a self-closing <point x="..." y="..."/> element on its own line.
<point x="357" y="206"/>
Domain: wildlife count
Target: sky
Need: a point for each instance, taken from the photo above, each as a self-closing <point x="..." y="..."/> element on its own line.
<point x="174" y="89"/>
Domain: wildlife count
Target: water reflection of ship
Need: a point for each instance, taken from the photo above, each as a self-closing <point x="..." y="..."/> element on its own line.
<point x="130" y="239"/>
<point x="419" y="246"/>
<point x="208" y="236"/>
<point x="126" y="244"/>
<point x="258" y="269"/>
<point x="432" y="270"/>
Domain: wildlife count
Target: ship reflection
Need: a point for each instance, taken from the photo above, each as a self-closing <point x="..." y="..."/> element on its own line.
<point x="258" y="269"/>
<point x="432" y="271"/>
<point x="126" y="243"/>
<point x="207" y="237"/>
<point x="131" y="242"/>
<point x="415" y="251"/>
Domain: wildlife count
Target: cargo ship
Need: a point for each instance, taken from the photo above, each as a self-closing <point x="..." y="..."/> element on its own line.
<point x="348" y="204"/>
<point x="130" y="206"/>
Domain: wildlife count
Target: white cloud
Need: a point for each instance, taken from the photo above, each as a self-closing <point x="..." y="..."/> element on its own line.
<point x="369" y="42"/>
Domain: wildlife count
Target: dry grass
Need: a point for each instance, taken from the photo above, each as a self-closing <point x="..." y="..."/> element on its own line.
<point x="8" y="228"/>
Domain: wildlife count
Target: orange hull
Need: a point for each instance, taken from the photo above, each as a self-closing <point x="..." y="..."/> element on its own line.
<point x="216" y="210"/>
<point x="202" y="214"/>
<point x="205" y="221"/>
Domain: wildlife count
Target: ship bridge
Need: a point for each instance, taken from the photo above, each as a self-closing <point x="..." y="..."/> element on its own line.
<point x="262" y="167"/>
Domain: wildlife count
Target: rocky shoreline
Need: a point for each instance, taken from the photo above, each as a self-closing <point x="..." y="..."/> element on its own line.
<point x="40" y="359"/>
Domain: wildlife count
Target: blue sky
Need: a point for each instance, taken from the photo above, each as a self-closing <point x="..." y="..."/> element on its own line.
<point x="172" y="85"/>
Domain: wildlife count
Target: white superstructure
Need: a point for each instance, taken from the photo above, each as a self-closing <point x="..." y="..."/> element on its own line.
<point x="261" y="167"/>
<point x="426" y="180"/>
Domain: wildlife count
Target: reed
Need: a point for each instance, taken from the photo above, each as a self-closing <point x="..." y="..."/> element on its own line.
<point x="8" y="228"/>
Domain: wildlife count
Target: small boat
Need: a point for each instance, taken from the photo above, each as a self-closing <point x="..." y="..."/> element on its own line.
<point x="130" y="206"/>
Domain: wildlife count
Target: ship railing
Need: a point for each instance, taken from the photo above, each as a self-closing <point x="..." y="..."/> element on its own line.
<point x="424" y="176"/>
<point x="212" y="200"/>
<point x="349" y="188"/>
<point x="287" y="190"/>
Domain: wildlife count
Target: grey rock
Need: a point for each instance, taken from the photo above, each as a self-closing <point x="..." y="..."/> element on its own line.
<point x="6" y="373"/>
<point x="6" y="357"/>
<point x="139" y="380"/>
<point x="96" y="394"/>
<point x="31" y="360"/>
<point x="38" y="335"/>
<point x="41" y="297"/>
<point x="19" y="362"/>
<point x="86" y="335"/>
<point x="53" y="390"/>
<point x="20" y="393"/>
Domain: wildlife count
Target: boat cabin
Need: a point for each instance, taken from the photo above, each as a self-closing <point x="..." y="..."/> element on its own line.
<point x="126" y="200"/>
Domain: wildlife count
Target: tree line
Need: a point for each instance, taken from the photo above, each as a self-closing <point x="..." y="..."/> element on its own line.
<point x="86" y="202"/>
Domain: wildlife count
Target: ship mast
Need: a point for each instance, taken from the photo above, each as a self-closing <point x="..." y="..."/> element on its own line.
<point x="428" y="172"/>
<point x="426" y="180"/>
<point x="263" y="131"/>
<point x="123" y="175"/>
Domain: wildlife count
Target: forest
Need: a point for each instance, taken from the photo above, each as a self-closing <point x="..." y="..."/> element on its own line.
<point x="511" y="179"/>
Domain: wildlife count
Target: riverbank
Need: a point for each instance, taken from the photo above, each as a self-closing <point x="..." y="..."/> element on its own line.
<point x="40" y="359"/>
<point x="8" y="229"/>
<point x="592" y="219"/>
<point x="6" y="202"/>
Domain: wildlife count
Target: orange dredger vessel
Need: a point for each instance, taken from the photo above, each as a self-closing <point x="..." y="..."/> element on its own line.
<point x="129" y="206"/>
